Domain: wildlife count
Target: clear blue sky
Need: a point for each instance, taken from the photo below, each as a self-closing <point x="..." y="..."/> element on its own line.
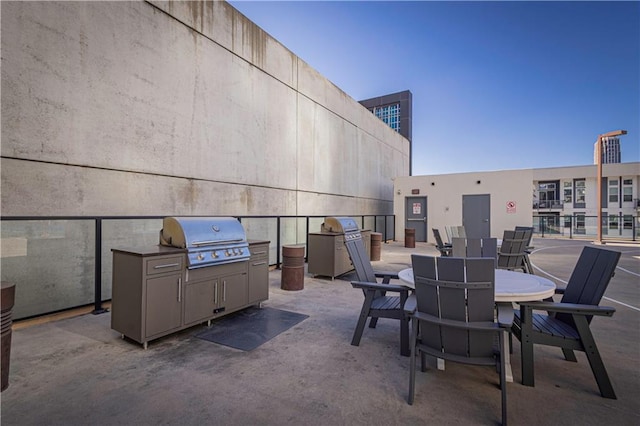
<point x="496" y="85"/>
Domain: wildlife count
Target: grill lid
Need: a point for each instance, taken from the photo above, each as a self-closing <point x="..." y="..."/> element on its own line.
<point x="341" y="225"/>
<point x="208" y="240"/>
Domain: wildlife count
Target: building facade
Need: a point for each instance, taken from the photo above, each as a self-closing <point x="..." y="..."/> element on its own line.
<point x="610" y="150"/>
<point x="557" y="201"/>
<point x="395" y="110"/>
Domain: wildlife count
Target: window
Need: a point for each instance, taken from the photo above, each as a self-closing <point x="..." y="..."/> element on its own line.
<point x="627" y="190"/>
<point x="627" y="221"/>
<point x="567" y="221"/>
<point x="613" y="191"/>
<point x="390" y="114"/>
<point x="580" y="222"/>
<point x="613" y="222"/>
<point x="579" y="186"/>
<point x="568" y="193"/>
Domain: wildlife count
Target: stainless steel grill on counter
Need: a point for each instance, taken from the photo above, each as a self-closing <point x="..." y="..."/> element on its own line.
<point x="208" y="240"/>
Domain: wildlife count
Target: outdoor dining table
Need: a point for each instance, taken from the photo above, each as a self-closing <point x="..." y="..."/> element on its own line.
<point x="510" y="287"/>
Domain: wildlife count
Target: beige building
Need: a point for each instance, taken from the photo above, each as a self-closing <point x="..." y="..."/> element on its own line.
<point x="559" y="201"/>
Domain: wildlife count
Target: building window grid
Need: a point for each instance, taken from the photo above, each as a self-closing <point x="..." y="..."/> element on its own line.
<point x="627" y="190"/>
<point x="613" y="191"/>
<point x="390" y="114"/>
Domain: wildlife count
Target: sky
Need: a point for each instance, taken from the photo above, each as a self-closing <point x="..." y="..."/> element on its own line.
<point x="496" y="85"/>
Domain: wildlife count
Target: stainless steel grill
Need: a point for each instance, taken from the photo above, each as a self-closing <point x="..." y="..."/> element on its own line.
<point x="208" y="240"/>
<point x="342" y="225"/>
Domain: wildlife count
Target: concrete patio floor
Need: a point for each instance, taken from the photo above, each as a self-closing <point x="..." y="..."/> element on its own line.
<point x="78" y="371"/>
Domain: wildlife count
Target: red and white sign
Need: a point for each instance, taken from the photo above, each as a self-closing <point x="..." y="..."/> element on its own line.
<point x="511" y="206"/>
<point x="417" y="208"/>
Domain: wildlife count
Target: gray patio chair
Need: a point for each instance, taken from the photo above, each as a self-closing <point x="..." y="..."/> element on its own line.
<point x="475" y="247"/>
<point x="443" y="248"/>
<point x="454" y="316"/>
<point x="511" y="255"/>
<point x="528" y="247"/>
<point x="567" y="323"/>
<point x="377" y="304"/>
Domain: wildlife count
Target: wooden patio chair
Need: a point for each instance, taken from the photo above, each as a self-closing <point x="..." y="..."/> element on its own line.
<point x="443" y="248"/>
<point x="511" y="255"/>
<point x="475" y="247"/>
<point x="566" y="325"/>
<point x="454" y="316"/>
<point x="377" y="304"/>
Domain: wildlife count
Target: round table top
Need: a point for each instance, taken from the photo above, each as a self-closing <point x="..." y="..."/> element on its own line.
<point x="510" y="286"/>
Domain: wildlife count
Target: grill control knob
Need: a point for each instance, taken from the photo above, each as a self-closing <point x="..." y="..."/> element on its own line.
<point x="214" y="254"/>
<point x="200" y="256"/>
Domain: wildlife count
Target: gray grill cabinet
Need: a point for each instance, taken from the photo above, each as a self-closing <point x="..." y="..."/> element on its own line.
<point x="328" y="255"/>
<point x="154" y="295"/>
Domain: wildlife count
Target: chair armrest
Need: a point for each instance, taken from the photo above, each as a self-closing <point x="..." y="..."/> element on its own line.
<point x="489" y="326"/>
<point x="381" y="287"/>
<point x="560" y="290"/>
<point x="505" y="314"/>
<point x="410" y="305"/>
<point x="386" y="276"/>
<point x="568" y="308"/>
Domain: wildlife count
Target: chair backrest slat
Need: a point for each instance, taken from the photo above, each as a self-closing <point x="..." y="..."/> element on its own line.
<point x="360" y="260"/>
<point x="474" y="247"/>
<point x="590" y="278"/>
<point x="438" y="237"/>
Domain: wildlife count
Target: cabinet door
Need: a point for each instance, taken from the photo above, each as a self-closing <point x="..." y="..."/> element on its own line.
<point x="233" y="292"/>
<point x="259" y="274"/>
<point x="163" y="303"/>
<point x="199" y="300"/>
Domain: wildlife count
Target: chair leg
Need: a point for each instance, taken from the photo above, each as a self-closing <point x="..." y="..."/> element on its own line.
<point x="373" y="322"/>
<point x="503" y="378"/>
<point x="404" y="336"/>
<point x="569" y="355"/>
<point x="362" y="320"/>
<point x="593" y="355"/>
<point x="412" y="361"/>
<point x="526" y="346"/>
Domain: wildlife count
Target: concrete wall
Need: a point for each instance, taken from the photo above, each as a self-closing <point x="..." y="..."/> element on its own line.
<point x="166" y="108"/>
<point x="171" y="108"/>
<point x="444" y="198"/>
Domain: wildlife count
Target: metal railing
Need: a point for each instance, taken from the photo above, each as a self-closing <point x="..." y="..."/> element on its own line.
<point x="61" y="262"/>
<point x="625" y="227"/>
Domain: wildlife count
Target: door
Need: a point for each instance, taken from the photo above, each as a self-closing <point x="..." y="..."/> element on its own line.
<point x="476" y="212"/>
<point x="416" y="216"/>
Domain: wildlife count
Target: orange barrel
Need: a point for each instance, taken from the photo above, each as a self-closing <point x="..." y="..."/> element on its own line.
<point x="376" y="245"/>
<point x="292" y="268"/>
<point x="410" y="238"/>
<point x="7" y="300"/>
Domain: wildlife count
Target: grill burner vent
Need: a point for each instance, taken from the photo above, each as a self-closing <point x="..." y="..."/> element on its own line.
<point x="208" y="240"/>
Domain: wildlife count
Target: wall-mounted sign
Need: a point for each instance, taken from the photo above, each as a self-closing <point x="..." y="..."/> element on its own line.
<point x="415" y="191"/>
<point x="417" y="208"/>
<point x="511" y="207"/>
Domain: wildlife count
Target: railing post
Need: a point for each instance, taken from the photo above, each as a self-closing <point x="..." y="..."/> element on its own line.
<point x="278" y="242"/>
<point x="306" y="240"/>
<point x="97" y="306"/>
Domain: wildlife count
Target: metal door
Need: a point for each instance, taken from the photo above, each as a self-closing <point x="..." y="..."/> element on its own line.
<point x="476" y="214"/>
<point x="416" y="216"/>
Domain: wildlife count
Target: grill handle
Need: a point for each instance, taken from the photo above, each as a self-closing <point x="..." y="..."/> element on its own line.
<point x="216" y="242"/>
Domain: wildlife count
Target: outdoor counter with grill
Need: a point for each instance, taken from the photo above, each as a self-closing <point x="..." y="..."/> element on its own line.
<point x="202" y="269"/>
<point x="328" y="254"/>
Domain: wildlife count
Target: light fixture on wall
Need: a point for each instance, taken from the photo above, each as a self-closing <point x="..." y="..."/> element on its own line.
<point x="478" y="182"/>
<point x="399" y="192"/>
<point x="433" y="184"/>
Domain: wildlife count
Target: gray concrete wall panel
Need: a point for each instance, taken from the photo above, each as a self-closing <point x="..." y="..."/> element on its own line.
<point x="135" y="108"/>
